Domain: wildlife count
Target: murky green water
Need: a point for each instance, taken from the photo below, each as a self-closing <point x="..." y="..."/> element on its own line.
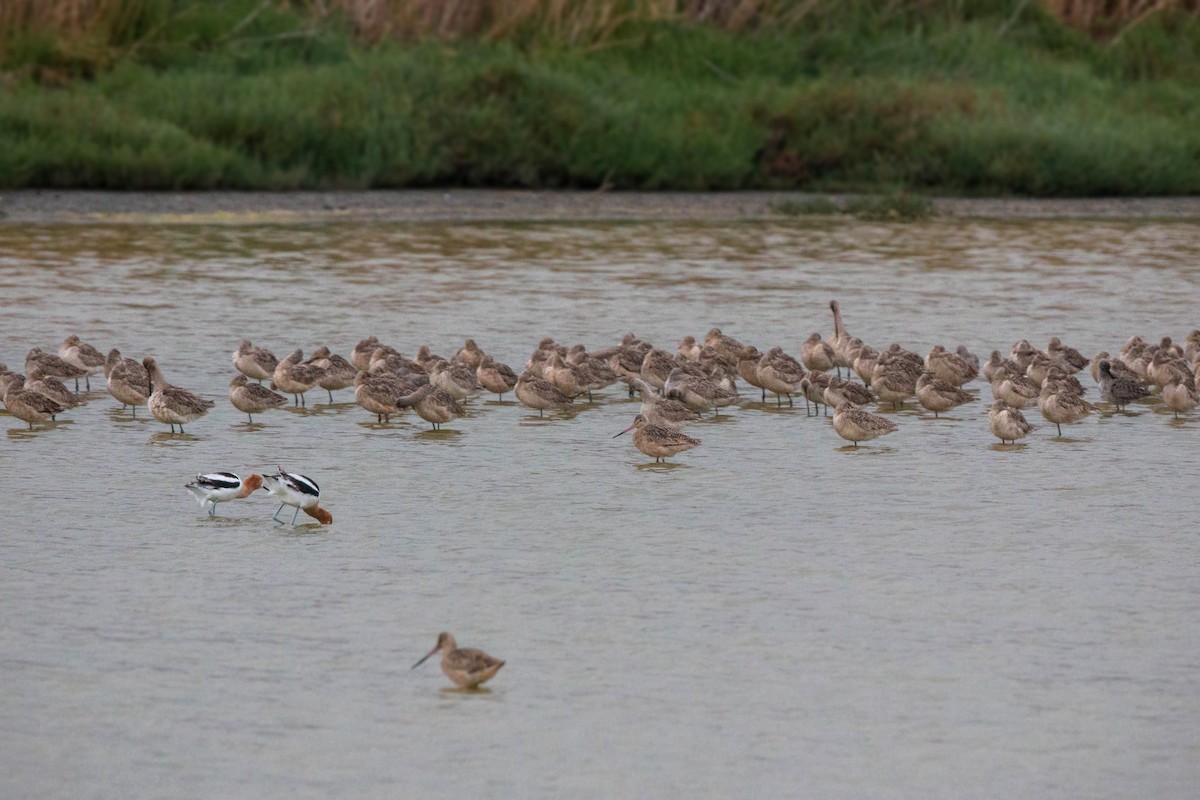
<point x="775" y="616"/>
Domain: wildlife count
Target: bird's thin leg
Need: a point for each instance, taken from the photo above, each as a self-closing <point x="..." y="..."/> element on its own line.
<point x="295" y="515"/>
<point x="330" y="396"/>
<point x="275" y="516"/>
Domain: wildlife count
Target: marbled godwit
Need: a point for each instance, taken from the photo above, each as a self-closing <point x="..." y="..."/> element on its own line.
<point x="949" y="367"/>
<point x="388" y="360"/>
<point x="1015" y="390"/>
<point x="895" y="379"/>
<point x="1192" y="345"/>
<point x="967" y="356"/>
<point x="656" y="366"/>
<point x="467" y="667"/>
<point x="220" y="487"/>
<point x="469" y="355"/>
<point x="780" y="375"/>
<point x="839" y="391"/>
<point x="813" y="386"/>
<point x="865" y="359"/>
<point x="171" y="404"/>
<point x="336" y="372"/>
<point x="698" y="394"/>
<point x="689" y="349"/>
<point x="457" y="380"/>
<point x="1164" y="368"/>
<point x="841" y="341"/>
<point x="658" y="441"/>
<point x="1059" y="403"/>
<point x="298" y="491"/>
<point x="1116" y="390"/>
<point x="626" y="362"/>
<point x="26" y="404"/>
<point x="1007" y="423"/>
<point x="747" y="368"/>
<point x="711" y="360"/>
<point x="939" y="396"/>
<point x="1180" y="395"/>
<point x="127" y="380"/>
<point x="727" y="346"/>
<point x="256" y="363"/>
<point x="425" y="358"/>
<point x="52" y="366"/>
<point x="1119" y="368"/>
<point x="295" y="378"/>
<point x="253" y="398"/>
<point x="659" y="410"/>
<point x="53" y="388"/>
<point x="1059" y="381"/>
<point x="855" y="425"/>
<point x="1022" y="353"/>
<point x="816" y="355"/>
<point x="82" y="355"/>
<point x="495" y="377"/>
<point x="594" y="370"/>
<point x="432" y="404"/>
<point x="360" y="356"/>
<point x="995" y="362"/>
<point x="537" y="393"/>
<point x="1039" y="367"/>
<point x="377" y="394"/>
<point x="567" y="378"/>
<point x="1068" y="358"/>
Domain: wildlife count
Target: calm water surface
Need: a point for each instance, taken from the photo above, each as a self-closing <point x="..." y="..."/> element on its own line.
<point x="774" y="615"/>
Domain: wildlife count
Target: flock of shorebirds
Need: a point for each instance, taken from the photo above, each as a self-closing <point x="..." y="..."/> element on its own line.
<point x="675" y="387"/>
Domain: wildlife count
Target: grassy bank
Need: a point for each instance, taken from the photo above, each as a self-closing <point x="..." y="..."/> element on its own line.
<point x="942" y="95"/>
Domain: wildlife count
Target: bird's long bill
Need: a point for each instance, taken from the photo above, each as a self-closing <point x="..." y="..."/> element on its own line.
<point x="627" y="430"/>
<point x="426" y="658"/>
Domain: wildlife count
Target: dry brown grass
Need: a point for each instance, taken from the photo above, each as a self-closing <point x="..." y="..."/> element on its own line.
<point x="1110" y="16"/>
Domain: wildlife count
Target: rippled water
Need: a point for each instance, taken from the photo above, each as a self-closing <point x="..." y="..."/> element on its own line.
<point x="773" y="615"/>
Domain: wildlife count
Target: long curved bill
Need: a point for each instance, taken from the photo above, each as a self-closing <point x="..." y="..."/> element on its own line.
<point x="426" y="658"/>
<point x="627" y="430"/>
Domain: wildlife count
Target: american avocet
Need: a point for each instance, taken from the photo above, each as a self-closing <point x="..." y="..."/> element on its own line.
<point x="816" y="355"/>
<point x="298" y="491"/>
<point x="1117" y="390"/>
<point x="26" y="404"/>
<point x="52" y="366"/>
<point x="1007" y="423"/>
<point x="658" y="441"/>
<point x="171" y="404"/>
<point x="469" y="355"/>
<point x="939" y="396"/>
<point x="432" y="404"/>
<point x="256" y="363"/>
<point x="1059" y="403"/>
<point x="855" y="425"/>
<point x="336" y="372"/>
<point x="220" y="487"/>
<point x="494" y="376"/>
<point x="295" y="378"/>
<point x="360" y="356"/>
<point x="1180" y="395"/>
<point x="53" y="388"/>
<point x="127" y="380"/>
<point x="540" y="394"/>
<point x="467" y="667"/>
<point x="82" y="355"/>
<point x="253" y="398"/>
<point x="659" y="410"/>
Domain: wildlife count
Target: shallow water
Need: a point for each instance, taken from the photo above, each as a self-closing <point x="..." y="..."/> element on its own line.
<point x="771" y="615"/>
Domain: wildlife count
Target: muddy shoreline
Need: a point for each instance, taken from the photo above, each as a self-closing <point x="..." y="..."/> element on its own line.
<point x="45" y="206"/>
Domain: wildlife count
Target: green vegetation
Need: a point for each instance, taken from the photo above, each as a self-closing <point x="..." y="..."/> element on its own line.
<point x="979" y="97"/>
<point x="897" y="207"/>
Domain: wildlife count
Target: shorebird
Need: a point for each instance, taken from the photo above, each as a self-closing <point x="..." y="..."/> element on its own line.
<point x="1117" y="390"/>
<point x="540" y="394"/>
<point x="256" y="363"/>
<point x="53" y="366"/>
<point x="658" y="441"/>
<point x="295" y="378"/>
<point x="855" y="425"/>
<point x="377" y="394"/>
<point x="457" y="380"/>
<point x="1118" y="367"/>
<point x="967" y="356"/>
<point x="698" y="394"/>
<point x="432" y="404"/>
<point x="1015" y="390"/>
<point x="253" y="398"/>
<point x="841" y="341"/>
<point x="469" y="355"/>
<point x="1059" y="403"/>
<point x="425" y="358"/>
<point x="656" y="366"/>
<point x="995" y="362"/>
<point x="813" y="386"/>
<point x="659" y="410"/>
<point x="865" y="359"/>
<point x="1180" y="395"/>
<point x="895" y="378"/>
<point x="689" y="349"/>
<point x="727" y="346"/>
<point x="171" y="404"/>
<point x="465" y="666"/>
<point x="1007" y="423"/>
<point x="360" y="356"/>
<point x="82" y="355"/>
<point x="950" y="367"/>
<point x="336" y="372"/>
<point x="780" y="374"/>
<point x="127" y="380"/>
<point x="839" y="391"/>
<point x="939" y="396"/>
<point x="1022" y="353"/>
<point x="26" y="404"/>
<point x="53" y="388"/>
<point x="1164" y="368"/>
<point x="220" y="487"/>
<point x="816" y="355"/>
<point x="747" y="368"/>
<point x="1068" y="359"/>
<point x="298" y="491"/>
<point x="497" y="378"/>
